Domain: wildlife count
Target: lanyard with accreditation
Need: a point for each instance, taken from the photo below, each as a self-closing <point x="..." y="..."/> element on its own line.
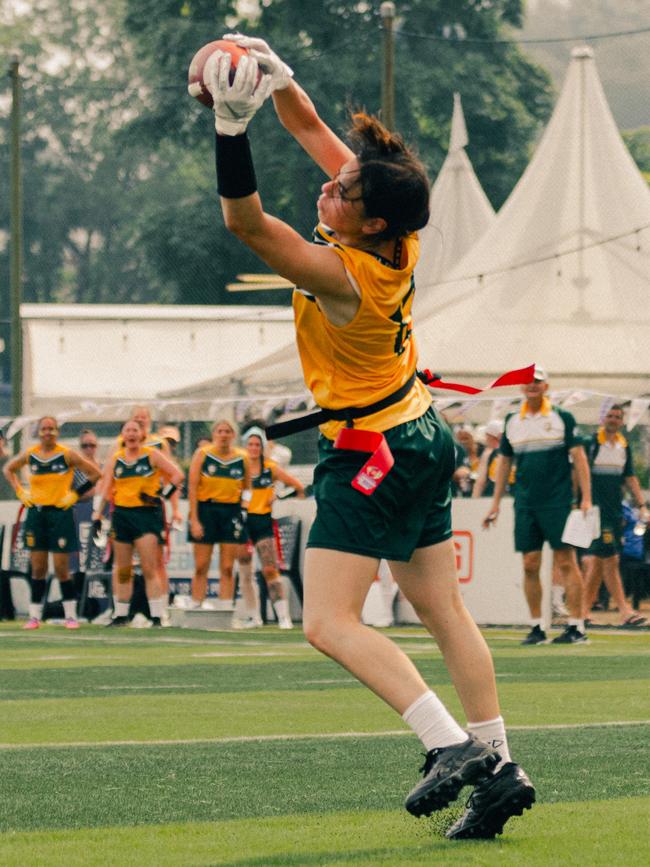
<point x="381" y="460"/>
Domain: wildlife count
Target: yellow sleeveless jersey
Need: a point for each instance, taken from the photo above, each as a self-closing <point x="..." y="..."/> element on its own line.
<point x="51" y="476"/>
<point x="373" y="355"/>
<point x="134" y="477"/>
<point x="263" y="492"/>
<point x="222" y="480"/>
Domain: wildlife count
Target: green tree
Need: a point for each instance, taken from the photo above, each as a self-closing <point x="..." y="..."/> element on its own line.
<point x="638" y="143"/>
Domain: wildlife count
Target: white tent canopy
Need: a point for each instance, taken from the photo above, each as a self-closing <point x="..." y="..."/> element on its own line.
<point x="460" y="212"/>
<point x="562" y="277"/>
<point x="83" y="356"/>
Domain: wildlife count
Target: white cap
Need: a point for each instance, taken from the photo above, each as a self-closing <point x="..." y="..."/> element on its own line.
<point x="494" y="428"/>
<point x="540" y="374"/>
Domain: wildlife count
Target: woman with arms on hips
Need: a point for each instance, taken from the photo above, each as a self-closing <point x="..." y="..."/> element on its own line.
<point x="218" y="491"/>
<point x="49" y="526"/>
<point x="135" y="479"/>
<point x="264" y="474"/>
<point x="353" y="322"/>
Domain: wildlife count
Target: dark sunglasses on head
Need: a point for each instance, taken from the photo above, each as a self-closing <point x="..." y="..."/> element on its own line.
<point x="88" y="445"/>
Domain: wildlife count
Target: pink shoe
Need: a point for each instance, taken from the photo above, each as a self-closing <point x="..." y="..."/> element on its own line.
<point x="32" y="623"/>
<point x="71" y="623"/>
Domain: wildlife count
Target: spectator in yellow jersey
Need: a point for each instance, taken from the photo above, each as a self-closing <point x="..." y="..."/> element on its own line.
<point x="382" y="483"/>
<point x="264" y="474"/>
<point x="136" y="478"/>
<point x="49" y="526"/>
<point x="218" y="494"/>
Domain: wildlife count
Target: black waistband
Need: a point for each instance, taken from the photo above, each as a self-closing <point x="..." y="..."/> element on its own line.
<point x="347" y="414"/>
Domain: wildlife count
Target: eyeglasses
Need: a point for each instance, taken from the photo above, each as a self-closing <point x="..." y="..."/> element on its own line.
<point x="88" y="445"/>
<point x="342" y="192"/>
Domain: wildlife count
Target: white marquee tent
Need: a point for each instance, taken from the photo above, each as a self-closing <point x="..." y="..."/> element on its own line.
<point x="562" y="277"/>
<point x="460" y="212"/>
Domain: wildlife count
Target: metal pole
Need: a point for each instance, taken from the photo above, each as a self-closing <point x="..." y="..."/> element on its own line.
<point x="387" y="12"/>
<point x="16" y="249"/>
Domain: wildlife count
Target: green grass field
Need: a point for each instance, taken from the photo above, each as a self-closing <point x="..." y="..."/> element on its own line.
<point x="177" y="747"/>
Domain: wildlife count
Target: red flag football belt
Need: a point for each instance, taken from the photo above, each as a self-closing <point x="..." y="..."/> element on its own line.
<point x="381" y="460"/>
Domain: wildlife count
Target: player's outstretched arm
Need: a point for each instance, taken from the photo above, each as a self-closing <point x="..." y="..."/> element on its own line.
<point x="295" y="109"/>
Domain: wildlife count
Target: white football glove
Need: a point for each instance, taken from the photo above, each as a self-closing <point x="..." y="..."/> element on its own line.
<point x="234" y="104"/>
<point x="268" y="60"/>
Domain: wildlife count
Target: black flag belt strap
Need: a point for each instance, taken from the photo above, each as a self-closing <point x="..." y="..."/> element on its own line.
<point x="348" y="414"/>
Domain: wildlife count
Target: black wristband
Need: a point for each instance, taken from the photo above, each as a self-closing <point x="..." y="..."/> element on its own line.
<point x="235" y="171"/>
<point x="83" y="489"/>
<point x="168" y="490"/>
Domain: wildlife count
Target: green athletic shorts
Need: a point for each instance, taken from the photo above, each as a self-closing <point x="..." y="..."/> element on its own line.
<point x="48" y="528"/>
<point x="608" y="544"/>
<point x="133" y="522"/>
<point x="410" y="509"/>
<point x="533" y="527"/>
<point x="259" y="527"/>
<point x="221" y="524"/>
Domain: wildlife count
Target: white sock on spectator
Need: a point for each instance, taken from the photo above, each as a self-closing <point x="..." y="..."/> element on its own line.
<point x="432" y="722"/>
<point x="156" y="607"/>
<point x="580" y="624"/>
<point x="36" y="610"/>
<point x="493" y="732"/>
<point x="537" y="621"/>
<point x="121" y="609"/>
<point x="282" y="609"/>
<point x="70" y="609"/>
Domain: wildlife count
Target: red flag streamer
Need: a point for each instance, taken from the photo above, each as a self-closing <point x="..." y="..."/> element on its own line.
<point x="513" y="377"/>
<point x="377" y="467"/>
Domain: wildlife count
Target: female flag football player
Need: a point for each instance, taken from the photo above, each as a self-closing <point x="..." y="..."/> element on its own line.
<point x="264" y="474"/>
<point x="132" y="480"/>
<point x="49" y="526"/>
<point x="218" y="491"/>
<point x="353" y="323"/>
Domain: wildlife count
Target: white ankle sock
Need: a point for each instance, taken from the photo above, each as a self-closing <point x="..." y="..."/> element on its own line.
<point x="493" y="732"/>
<point x="121" y="609"/>
<point x="579" y="624"/>
<point x="281" y="608"/>
<point x="70" y="609"/>
<point x="36" y="610"/>
<point x="537" y="621"/>
<point x="432" y="722"/>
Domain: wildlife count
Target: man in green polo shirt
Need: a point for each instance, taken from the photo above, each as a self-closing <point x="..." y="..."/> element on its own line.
<point x="610" y="461"/>
<point x="542" y="439"/>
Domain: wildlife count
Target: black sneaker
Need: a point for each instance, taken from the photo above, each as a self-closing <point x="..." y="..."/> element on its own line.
<point x="571" y="635"/>
<point x="118" y="621"/>
<point x="508" y="793"/>
<point x="446" y="771"/>
<point x="155" y="621"/>
<point x="535" y="636"/>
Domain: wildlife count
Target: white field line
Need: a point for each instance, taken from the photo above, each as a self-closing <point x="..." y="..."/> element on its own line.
<point x="241" y="739"/>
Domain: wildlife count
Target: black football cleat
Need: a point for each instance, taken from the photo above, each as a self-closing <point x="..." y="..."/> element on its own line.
<point x="118" y="621"/>
<point x="446" y="771"/>
<point x="535" y="636"/>
<point x="571" y="635"/>
<point x="507" y="793"/>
